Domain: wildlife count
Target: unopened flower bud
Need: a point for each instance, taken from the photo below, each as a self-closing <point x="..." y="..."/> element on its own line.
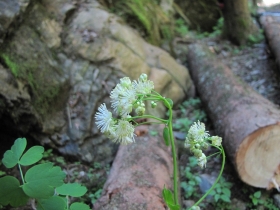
<point x="197" y="152"/>
<point x="140" y="111"/>
<point x="153" y="104"/>
<point x="143" y="77"/>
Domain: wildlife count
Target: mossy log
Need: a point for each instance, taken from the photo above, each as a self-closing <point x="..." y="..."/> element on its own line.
<point x="138" y="175"/>
<point x="271" y="25"/>
<point x="248" y="123"/>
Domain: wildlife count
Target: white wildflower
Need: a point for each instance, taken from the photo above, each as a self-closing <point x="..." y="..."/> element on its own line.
<point x="125" y="82"/>
<point x="216" y="141"/>
<point x="124" y="132"/>
<point x="143" y="77"/>
<point x="143" y="86"/>
<point x="124" y="103"/>
<point x="103" y="118"/>
<point x="202" y="160"/>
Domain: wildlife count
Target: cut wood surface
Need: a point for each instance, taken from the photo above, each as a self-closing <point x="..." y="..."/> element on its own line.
<point x="271" y="25"/>
<point x="248" y="123"/>
<point x="138" y="175"/>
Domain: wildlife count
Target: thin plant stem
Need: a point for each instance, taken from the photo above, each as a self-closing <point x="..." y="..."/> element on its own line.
<point x="21" y="174"/>
<point x="174" y="154"/>
<point x="217" y="180"/>
<point x="150" y="116"/>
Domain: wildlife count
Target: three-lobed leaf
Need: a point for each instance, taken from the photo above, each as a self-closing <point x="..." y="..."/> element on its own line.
<point x="42" y="179"/>
<point x="33" y="155"/>
<point x="12" y="156"/>
<point x="11" y="192"/>
<point x="71" y="189"/>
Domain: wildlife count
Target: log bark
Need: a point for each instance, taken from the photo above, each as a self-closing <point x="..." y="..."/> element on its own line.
<point x="137" y="177"/>
<point x="248" y="123"/>
<point x="271" y="25"/>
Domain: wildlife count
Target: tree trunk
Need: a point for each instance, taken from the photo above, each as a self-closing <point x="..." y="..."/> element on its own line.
<point x="248" y="123"/>
<point x="238" y="24"/>
<point x="138" y="175"/>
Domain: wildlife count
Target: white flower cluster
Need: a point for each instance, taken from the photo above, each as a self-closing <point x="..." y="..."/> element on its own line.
<point x="196" y="141"/>
<point x="125" y="97"/>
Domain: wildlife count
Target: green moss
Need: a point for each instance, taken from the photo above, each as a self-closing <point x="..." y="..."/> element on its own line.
<point x="43" y="91"/>
<point x="10" y="64"/>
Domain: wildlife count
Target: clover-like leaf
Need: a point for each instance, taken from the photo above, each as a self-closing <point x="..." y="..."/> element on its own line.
<point x="33" y="155"/>
<point x="79" y="206"/>
<point x="54" y="202"/>
<point x="11" y="192"/>
<point x="12" y="156"/>
<point x="42" y="179"/>
<point x="166" y="135"/>
<point x="71" y="189"/>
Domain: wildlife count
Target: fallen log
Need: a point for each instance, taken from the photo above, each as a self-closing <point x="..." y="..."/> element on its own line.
<point x="138" y="175"/>
<point x="248" y="123"/>
<point x="271" y="25"/>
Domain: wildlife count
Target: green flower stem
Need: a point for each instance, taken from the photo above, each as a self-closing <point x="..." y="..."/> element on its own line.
<point x="150" y="116"/>
<point x="217" y="180"/>
<point x="174" y="154"/>
<point x="21" y="174"/>
<point x="175" y="168"/>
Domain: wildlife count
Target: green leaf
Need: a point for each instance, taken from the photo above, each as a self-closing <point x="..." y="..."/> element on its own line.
<point x="167" y="195"/>
<point x="166" y="135"/>
<point x="225" y="198"/>
<point x="33" y="155"/>
<point x="42" y="179"/>
<point x="226" y="191"/>
<point x="11" y="192"/>
<point x="79" y="206"/>
<point x="11" y="157"/>
<point x="54" y="202"/>
<point x="169" y="200"/>
<point x="72" y="189"/>
<point x="217" y="197"/>
<point x="257" y="194"/>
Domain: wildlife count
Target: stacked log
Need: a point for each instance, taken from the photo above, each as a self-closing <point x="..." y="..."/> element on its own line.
<point x="248" y="123"/>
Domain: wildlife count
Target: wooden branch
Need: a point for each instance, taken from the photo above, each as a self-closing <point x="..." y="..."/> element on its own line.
<point x="138" y="175"/>
<point x="248" y="123"/>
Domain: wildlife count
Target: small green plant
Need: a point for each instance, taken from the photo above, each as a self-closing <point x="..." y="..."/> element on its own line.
<point x="259" y="200"/>
<point x="191" y="186"/>
<point x="184" y="122"/>
<point x="42" y="182"/>
<point x="180" y="27"/>
<point x="94" y="196"/>
<point x="256" y="38"/>
<point x="222" y="191"/>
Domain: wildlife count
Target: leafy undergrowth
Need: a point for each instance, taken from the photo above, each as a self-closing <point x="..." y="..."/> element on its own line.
<point x="83" y="183"/>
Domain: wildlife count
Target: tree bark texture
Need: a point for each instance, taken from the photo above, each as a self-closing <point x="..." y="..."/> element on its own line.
<point x="271" y="26"/>
<point x="137" y="177"/>
<point x="238" y="24"/>
<point x="248" y="123"/>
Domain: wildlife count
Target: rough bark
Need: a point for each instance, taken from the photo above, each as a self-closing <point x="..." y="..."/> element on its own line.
<point x="138" y="175"/>
<point x="271" y="25"/>
<point x="238" y="24"/>
<point x="248" y="123"/>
